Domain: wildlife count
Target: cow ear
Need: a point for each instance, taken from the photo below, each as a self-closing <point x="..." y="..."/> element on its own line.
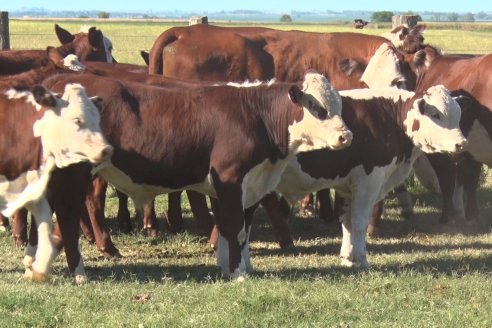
<point x="295" y="94"/>
<point x="97" y="101"/>
<point x="95" y="37"/>
<point x="63" y="35"/>
<point x="145" y="57"/>
<point x="54" y="55"/>
<point x="349" y="66"/>
<point x="43" y="96"/>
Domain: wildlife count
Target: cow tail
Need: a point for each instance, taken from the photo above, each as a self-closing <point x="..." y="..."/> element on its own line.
<point x="155" y="54"/>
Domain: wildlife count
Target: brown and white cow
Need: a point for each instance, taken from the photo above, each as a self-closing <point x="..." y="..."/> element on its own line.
<point x="470" y="76"/>
<point x="392" y="128"/>
<point x="89" y="44"/>
<point x="42" y="133"/>
<point x="228" y="142"/>
<point x="212" y="53"/>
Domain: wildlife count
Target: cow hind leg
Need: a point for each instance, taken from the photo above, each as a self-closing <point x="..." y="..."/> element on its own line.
<point x="123" y="216"/>
<point x="19" y="229"/>
<point x="278" y="210"/>
<point x="4" y="223"/>
<point x="174" y="217"/>
<point x="469" y="175"/>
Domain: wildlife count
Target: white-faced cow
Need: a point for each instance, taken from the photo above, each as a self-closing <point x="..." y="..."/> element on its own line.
<point x="228" y="142"/>
<point x="391" y="129"/>
<point x="41" y="134"/>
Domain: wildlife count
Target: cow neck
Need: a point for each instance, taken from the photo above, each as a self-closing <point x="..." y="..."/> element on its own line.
<point x="18" y="126"/>
<point x="277" y="112"/>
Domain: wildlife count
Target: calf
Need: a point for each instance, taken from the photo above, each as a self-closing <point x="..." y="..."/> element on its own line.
<point x="49" y="133"/>
<point x="237" y="142"/>
<point x="391" y="129"/>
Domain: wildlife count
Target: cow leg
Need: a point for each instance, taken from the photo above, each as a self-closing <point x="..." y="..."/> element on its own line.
<point x="123" y="216"/>
<point x="446" y="174"/>
<point x="405" y="200"/>
<point x="199" y="207"/>
<point x="377" y="212"/>
<point x="45" y="251"/>
<point x="4" y="223"/>
<point x="325" y="210"/>
<point x="307" y="206"/>
<point x="32" y="244"/>
<point x="355" y="225"/>
<point x="149" y="220"/>
<point x="174" y="218"/>
<point x="469" y="176"/>
<point x="233" y="236"/>
<point x="95" y="200"/>
<point x="277" y="213"/>
<point x="19" y="230"/>
<point x="86" y="226"/>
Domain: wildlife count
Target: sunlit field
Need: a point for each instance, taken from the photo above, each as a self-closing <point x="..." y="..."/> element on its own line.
<point x="422" y="273"/>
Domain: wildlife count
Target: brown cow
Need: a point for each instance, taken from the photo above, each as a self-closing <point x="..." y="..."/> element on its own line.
<point x="237" y="142"/>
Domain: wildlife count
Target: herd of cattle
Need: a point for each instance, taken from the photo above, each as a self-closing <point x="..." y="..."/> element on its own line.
<point x="245" y="115"/>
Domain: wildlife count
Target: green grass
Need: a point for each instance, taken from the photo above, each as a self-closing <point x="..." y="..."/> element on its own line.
<point x="422" y="274"/>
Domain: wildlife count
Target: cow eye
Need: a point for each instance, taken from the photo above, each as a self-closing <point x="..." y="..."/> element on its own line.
<point x="78" y="122"/>
<point x="436" y="116"/>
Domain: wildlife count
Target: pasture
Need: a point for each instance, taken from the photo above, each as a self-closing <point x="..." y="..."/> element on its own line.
<point x="422" y="274"/>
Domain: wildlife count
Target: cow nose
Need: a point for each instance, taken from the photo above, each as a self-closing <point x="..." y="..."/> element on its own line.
<point x="460" y="146"/>
<point x="345" y="139"/>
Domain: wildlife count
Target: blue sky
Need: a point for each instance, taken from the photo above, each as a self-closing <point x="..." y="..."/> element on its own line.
<point x="143" y="6"/>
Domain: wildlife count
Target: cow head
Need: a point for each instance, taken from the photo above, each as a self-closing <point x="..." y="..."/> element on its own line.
<point x="69" y="128"/>
<point x="89" y="44"/>
<point x="322" y="125"/>
<point x="70" y="62"/>
<point x="433" y="122"/>
<point x="383" y="69"/>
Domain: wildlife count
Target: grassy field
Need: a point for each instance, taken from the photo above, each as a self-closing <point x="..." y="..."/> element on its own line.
<point x="422" y="274"/>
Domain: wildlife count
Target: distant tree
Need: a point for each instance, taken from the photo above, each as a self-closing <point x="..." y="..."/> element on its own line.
<point x="468" y="17"/>
<point x="453" y="17"/>
<point x="83" y="16"/>
<point x="382" y="16"/>
<point x="286" y="19"/>
<point x="436" y="17"/>
<point x="103" y="14"/>
<point x="481" y="15"/>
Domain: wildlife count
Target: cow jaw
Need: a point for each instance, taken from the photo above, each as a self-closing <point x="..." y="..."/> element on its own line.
<point x="383" y="69"/>
<point x="434" y="127"/>
<point x="71" y="133"/>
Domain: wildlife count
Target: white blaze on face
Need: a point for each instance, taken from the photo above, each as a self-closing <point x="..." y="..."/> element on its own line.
<point x="71" y="132"/>
<point x="322" y="125"/>
<point x="383" y="69"/>
<point x="72" y="63"/>
<point x="437" y="128"/>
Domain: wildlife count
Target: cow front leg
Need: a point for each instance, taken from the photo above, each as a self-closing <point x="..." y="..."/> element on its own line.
<point x="123" y="216"/>
<point x="232" y="230"/>
<point x="19" y="227"/>
<point x="148" y="219"/>
<point x="174" y="217"/>
<point x="278" y="210"/>
<point x="45" y="251"/>
<point x="469" y="172"/>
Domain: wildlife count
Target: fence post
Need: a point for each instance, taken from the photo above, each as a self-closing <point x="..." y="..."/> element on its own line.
<point x="4" y="30"/>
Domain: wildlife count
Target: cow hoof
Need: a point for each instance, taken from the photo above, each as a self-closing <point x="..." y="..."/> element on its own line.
<point x="35" y="276"/>
<point x="80" y="279"/>
<point x="151" y="232"/>
<point x="125" y="228"/>
<point x="407" y="215"/>
<point x="238" y="276"/>
<point x="372" y="231"/>
<point x="351" y="264"/>
<point x="3" y="229"/>
<point x="111" y="253"/>
<point x="27" y="261"/>
<point x="19" y="241"/>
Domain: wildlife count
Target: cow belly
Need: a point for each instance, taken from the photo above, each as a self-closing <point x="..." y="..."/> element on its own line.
<point x="28" y="187"/>
<point x="142" y="193"/>
<point x="480" y="144"/>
